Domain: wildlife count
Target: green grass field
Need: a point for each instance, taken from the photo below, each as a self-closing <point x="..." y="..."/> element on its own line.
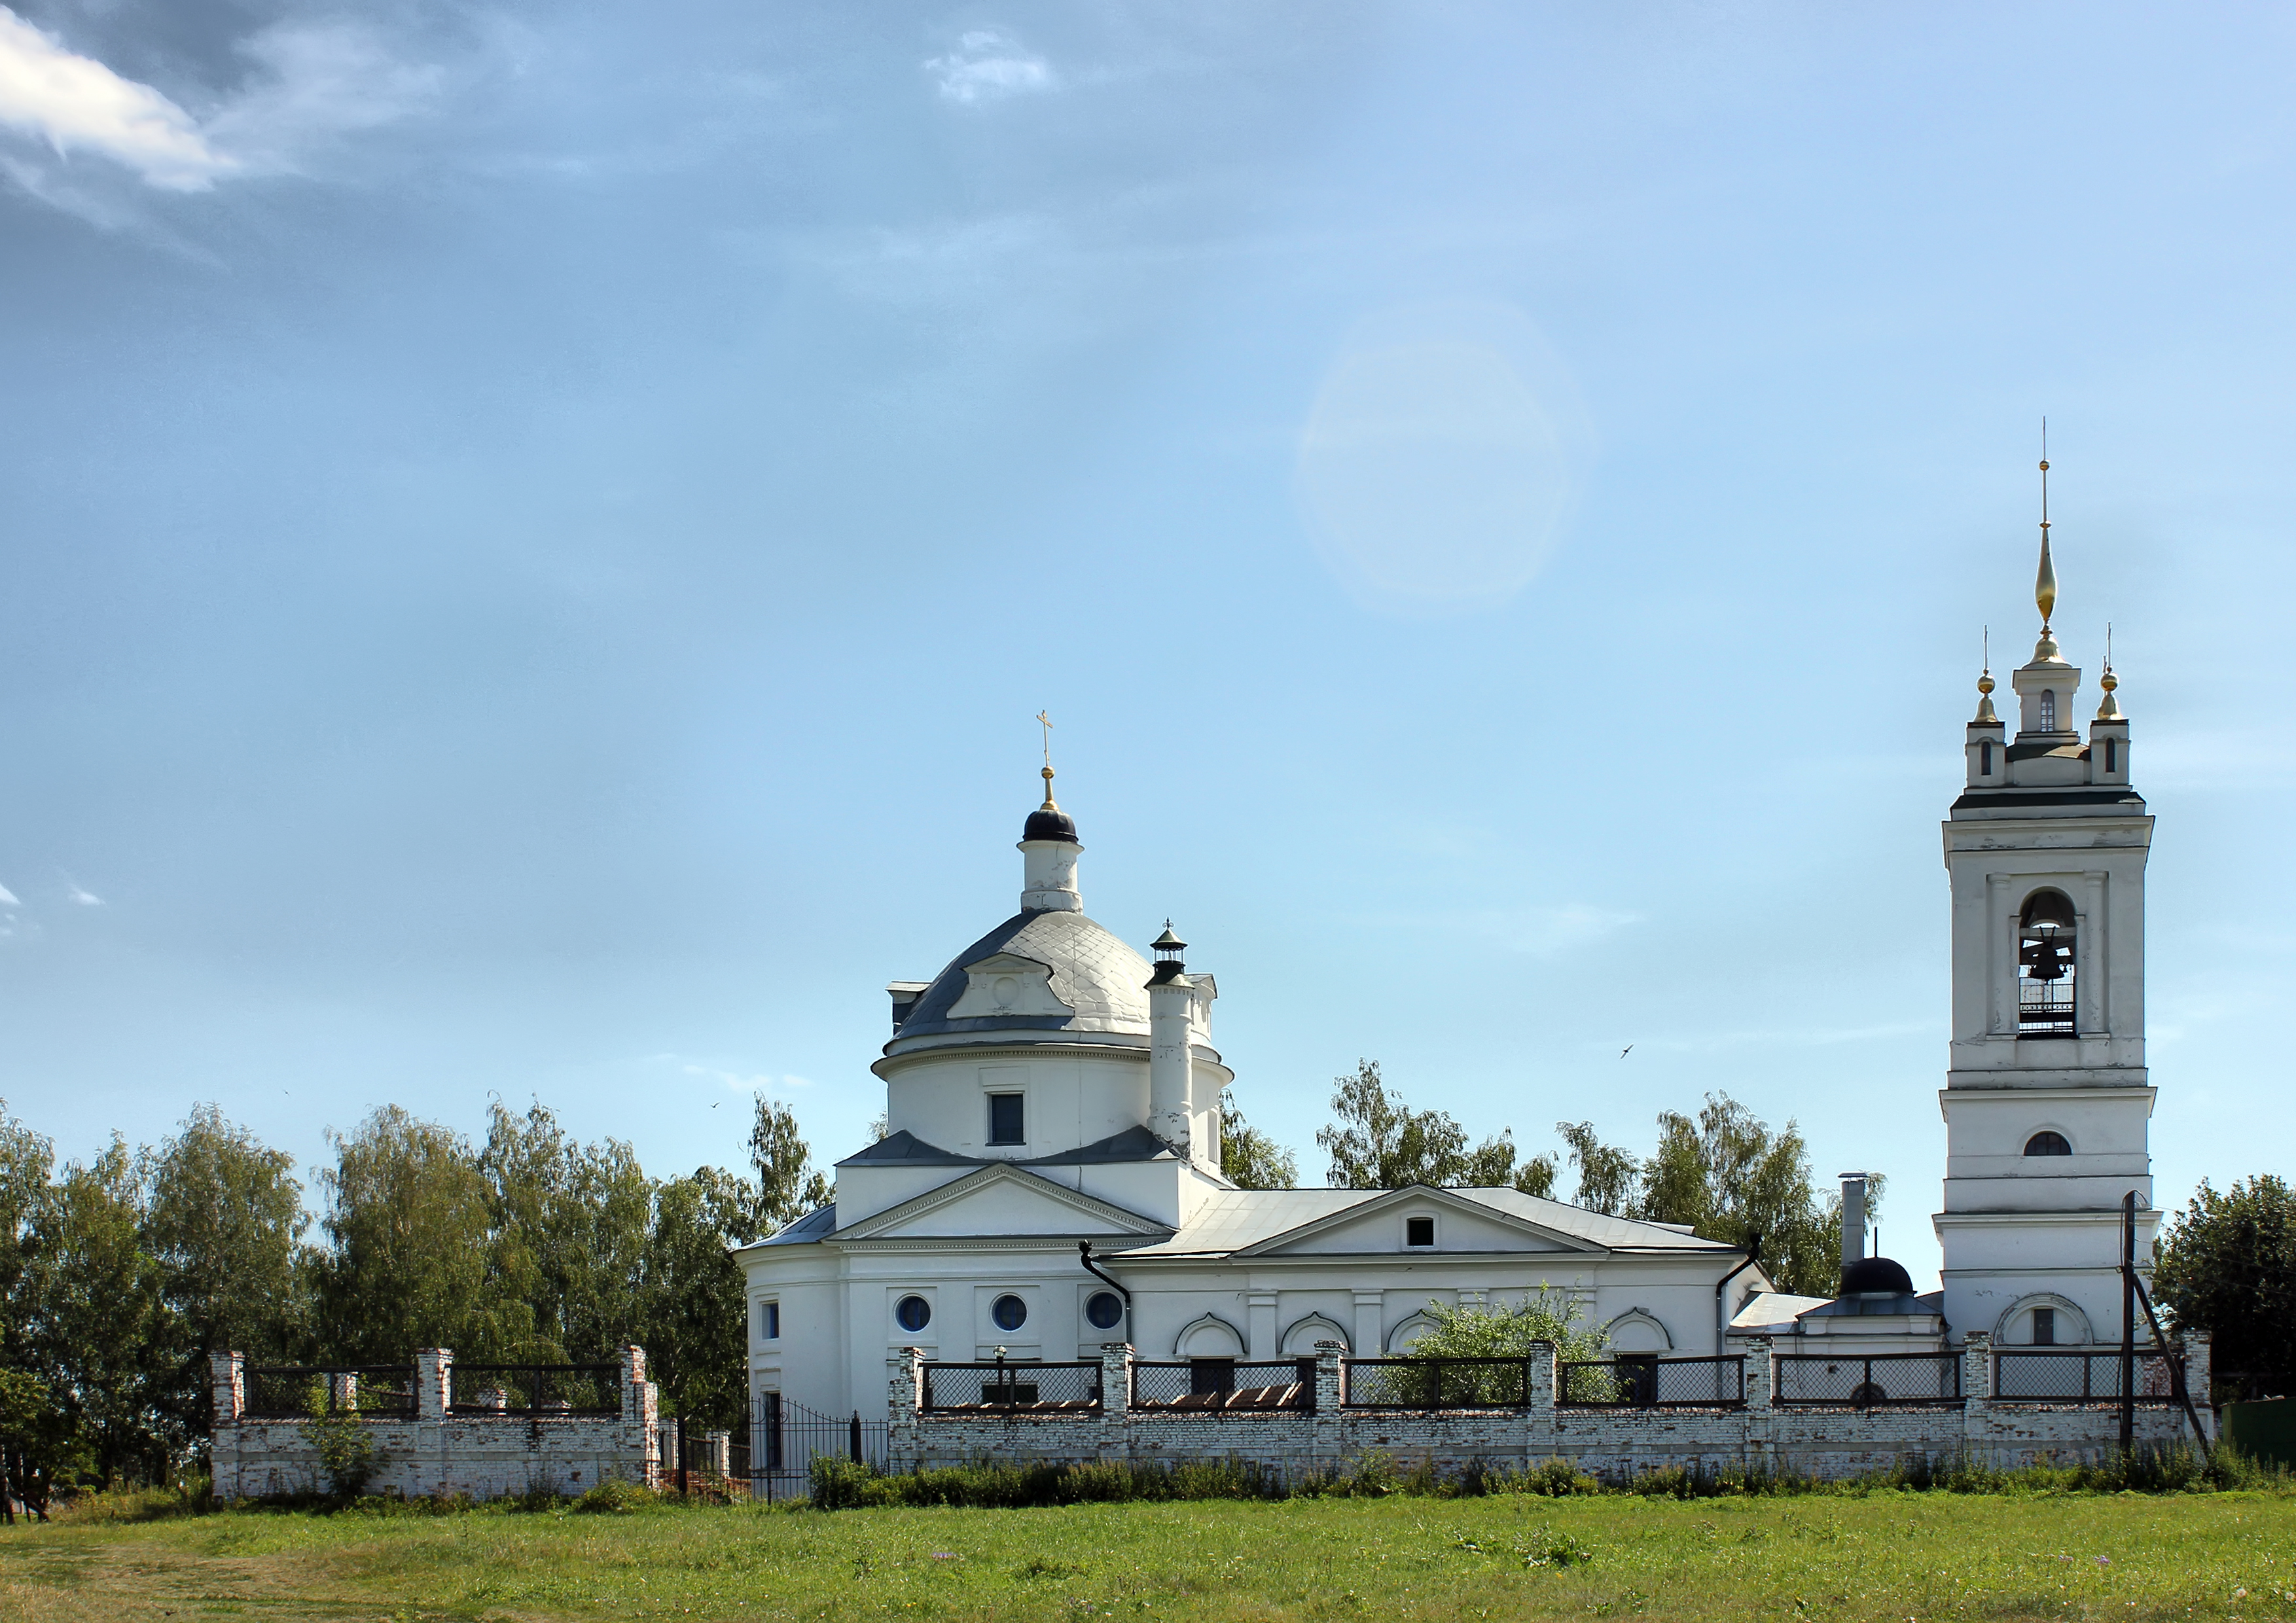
<point x="1888" y="1555"/>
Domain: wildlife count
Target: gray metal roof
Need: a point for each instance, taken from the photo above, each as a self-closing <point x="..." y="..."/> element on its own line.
<point x="1236" y="1218"/>
<point x="1096" y="974"/>
<point x="906" y="1148"/>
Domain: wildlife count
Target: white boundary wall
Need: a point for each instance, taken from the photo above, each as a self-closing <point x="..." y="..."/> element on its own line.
<point x="1614" y="1444"/>
<point x="437" y="1452"/>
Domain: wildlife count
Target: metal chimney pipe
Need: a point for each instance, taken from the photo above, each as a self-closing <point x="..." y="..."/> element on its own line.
<point x="1853" y="1217"/>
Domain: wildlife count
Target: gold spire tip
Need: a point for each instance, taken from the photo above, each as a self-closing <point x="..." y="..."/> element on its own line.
<point x="1045" y="720"/>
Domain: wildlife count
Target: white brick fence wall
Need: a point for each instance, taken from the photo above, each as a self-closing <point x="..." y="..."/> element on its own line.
<point x="442" y="1450"/>
<point x="1614" y="1444"/>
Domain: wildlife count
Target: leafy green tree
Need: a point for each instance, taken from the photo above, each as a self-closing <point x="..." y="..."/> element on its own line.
<point x="1249" y="1157"/>
<point x="225" y="1220"/>
<point x="26" y="1160"/>
<point x="1378" y="1142"/>
<point x="1607" y="1175"/>
<point x="787" y="1187"/>
<point x="571" y="1225"/>
<point x="1501" y="1331"/>
<point x="1728" y="1176"/>
<point x="2228" y="1266"/>
<point x="413" y="1257"/>
<point x="694" y="1323"/>
<point x="99" y="1330"/>
<point x="40" y="1449"/>
<point x="1496" y="1331"/>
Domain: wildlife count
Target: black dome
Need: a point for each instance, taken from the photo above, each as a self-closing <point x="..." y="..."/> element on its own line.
<point x="1876" y="1277"/>
<point x="1050" y="822"/>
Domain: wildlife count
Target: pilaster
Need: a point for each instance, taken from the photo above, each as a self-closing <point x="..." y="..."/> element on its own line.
<point x="1261" y="1317"/>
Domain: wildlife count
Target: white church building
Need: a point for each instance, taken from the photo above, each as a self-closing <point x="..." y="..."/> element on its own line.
<point x="1052" y="1089"/>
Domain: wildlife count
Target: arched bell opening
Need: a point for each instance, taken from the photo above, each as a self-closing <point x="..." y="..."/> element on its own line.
<point x="2046" y="966"/>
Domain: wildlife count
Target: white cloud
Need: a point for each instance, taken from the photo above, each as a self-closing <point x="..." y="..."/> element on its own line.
<point x="80" y="897"/>
<point x="74" y="103"/>
<point x="987" y="66"/>
<point x="8" y="898"/>
<point x="320" y="80"/>
<point x="762" y="1083"/>
<point x="310" y="82"/>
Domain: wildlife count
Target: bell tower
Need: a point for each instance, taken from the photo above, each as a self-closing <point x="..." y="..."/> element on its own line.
<point x="2046" y="1101"/>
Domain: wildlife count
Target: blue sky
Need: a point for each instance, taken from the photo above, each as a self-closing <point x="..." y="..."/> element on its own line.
<point x="534" y="536"/>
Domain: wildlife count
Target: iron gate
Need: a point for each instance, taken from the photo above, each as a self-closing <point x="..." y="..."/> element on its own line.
<point x="784" y="1439"/>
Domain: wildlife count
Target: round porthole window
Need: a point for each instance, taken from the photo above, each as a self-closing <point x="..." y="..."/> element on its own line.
<point x="1009" y="1312"/>
<point x="1103" y="1310"/>
<point x="913" y="1312"/>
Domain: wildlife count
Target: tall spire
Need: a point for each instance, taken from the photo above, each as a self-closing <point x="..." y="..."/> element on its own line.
<point x="1045" y="720"/>
<point x="2045" y="583"/>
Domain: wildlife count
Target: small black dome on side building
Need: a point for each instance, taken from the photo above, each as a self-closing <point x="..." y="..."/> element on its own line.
<point x="1876" y="1277"/>
<point x="1050" y="822"/>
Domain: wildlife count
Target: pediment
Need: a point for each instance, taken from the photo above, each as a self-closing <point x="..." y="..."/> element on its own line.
<point x="1001" y="1202"/>
<point x="1376" y="1228"/>
<point x="1006" y="983"/>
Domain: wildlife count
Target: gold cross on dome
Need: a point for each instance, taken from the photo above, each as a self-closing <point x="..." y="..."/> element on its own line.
<point x="1045" y="720"/>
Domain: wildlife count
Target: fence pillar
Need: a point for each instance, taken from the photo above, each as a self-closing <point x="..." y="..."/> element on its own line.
<point x="2198" y="1380"/>
<point x="1976" y="1391"/>
<point x="227" y="1376"/>
<point x="719" y="1447"/>
<point x="227" y="1387"/>
<point x="434" y="1375"/>
<point x="1762" y="1375"/>
<point x="1541" y="1376"/>
<point x="1115" y="1400"/>
<point x="902" y="1397"/>
<point x="1331" y="1417"/>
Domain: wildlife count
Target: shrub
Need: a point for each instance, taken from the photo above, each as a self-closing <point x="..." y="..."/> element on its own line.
<point x="615" y="1497"/>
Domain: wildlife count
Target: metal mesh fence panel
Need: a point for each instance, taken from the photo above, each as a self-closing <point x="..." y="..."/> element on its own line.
<point x="382" y="1391"/>
<point x="1045" y="1388"/>
<point x="1225" y="1386"/>
<point x="536" y="1390"/>
<point x="1814" y="1380"/>
<point x="1653" y="1383"/>
<point x="2090" y="1375"/>
<point x="1436" y="1383"/>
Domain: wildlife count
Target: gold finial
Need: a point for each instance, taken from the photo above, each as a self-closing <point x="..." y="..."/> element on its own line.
<point x="1045" y="720"/>
<point x="2045" y="583"/>
<point x="1985" y="682"/>
<point x="2110" y="710"/>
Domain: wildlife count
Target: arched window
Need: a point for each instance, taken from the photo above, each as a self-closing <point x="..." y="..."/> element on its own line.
<point x="2047" y="1143"/>
<point x="2045" y="966"/>
<point x="2048" y="709"/>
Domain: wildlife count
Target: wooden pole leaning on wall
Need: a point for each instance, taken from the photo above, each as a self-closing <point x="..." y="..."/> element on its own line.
<point x="2128" y="1321"/>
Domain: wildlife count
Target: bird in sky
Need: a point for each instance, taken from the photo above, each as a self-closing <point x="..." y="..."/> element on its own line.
<point x="1629" y="1049"/>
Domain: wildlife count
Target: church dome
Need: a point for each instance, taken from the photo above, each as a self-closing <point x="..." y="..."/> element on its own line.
<point x="1054" y="973"/>
<point x="1876" y="1277"/>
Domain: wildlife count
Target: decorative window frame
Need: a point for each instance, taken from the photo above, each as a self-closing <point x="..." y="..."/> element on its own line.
<point x="1642" y="1315"/>
<point x="2070" y="1317"/>
<point x="1209" y="1321"/>
<point x="1322" y="1321"/>
<point x="1398" y="1344"/>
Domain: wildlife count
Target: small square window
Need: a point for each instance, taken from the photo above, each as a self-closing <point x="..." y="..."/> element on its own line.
<point x="769" y="1321"/>
<point x="1004" y="1119"/>
<point x="1419" y="1231"/>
